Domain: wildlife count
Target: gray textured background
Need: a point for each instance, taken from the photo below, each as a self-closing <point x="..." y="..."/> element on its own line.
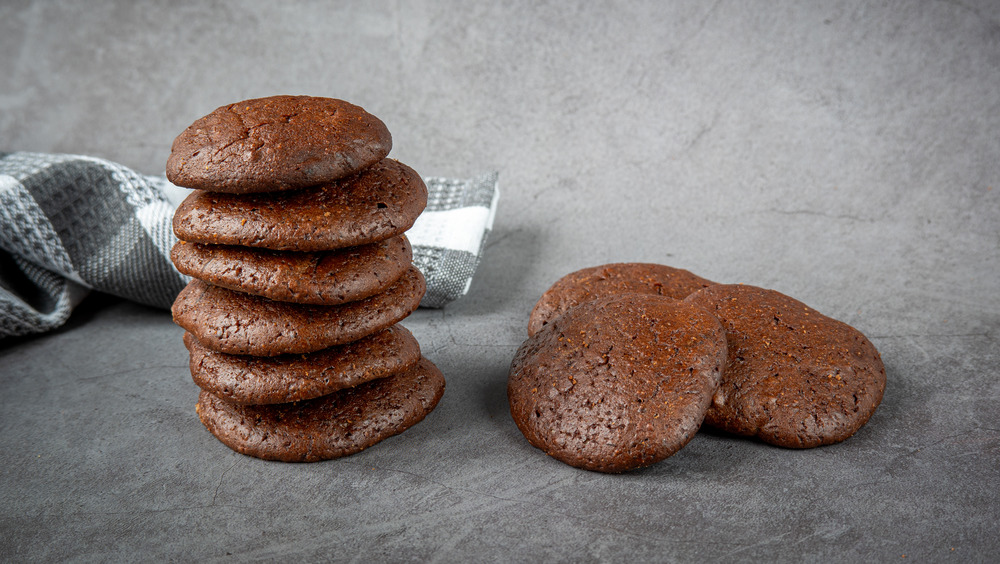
<point x="845" y="153"/>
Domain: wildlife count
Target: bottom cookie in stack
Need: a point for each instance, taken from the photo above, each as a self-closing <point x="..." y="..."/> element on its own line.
<point x="330" y="426"/>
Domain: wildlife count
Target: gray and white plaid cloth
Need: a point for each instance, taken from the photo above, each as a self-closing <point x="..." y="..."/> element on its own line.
<point x="70" y="224"/>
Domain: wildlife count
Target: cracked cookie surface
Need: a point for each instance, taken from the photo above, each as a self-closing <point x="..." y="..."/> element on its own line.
<point x="325" y="277"/>
<point x="795" y="377"/>
<point x="335" y="425"/>
<point x="257" y="380"/>
<point x="608" y="280"/>
<point x="276" y="143"/>
<point x="379" y="202"/>
<point x="617" y="383"/>
<point x="238" y="323"/>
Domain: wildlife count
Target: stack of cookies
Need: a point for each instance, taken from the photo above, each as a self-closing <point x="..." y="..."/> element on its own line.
<point x="625" y="361"/>
<point x="294" y="238"/>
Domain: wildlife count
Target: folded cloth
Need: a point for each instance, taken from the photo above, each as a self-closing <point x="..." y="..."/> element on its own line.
<point x="70" y="224"/>
<point x="449" y="236"/>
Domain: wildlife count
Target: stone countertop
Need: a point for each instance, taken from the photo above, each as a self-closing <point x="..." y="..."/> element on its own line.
<point x="845" y="154"/>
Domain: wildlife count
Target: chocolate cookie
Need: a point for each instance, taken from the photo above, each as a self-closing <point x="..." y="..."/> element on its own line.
<point x="379" y="202"/>
<point x="794" y="378"/>
<point x="617" y="383"/>
<point x="339" y="424"/>
<point x="256" y="380"/>
<point x="276" y="143"/>
<point x="325" y="277"/>
<point x="611" y="279"/>
<point x="238" y="323"/>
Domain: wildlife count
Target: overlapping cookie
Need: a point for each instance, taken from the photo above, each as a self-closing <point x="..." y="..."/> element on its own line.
<point x="322" y="278"/>
<point x="791" y="376"/>
<point x="239" y="323"/>
<point x="608" y="280"/>
<point x="376" y="203"/>
<point x="795" y="377"/>
<point x="257" y="380"/>
<point x="330" y="426"/>
<point x="618" y="382"/>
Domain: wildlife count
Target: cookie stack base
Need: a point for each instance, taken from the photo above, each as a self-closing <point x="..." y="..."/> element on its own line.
<point x="328" y="427"/>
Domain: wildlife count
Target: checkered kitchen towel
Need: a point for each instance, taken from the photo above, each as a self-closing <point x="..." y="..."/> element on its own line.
<point x="71" y="223"/>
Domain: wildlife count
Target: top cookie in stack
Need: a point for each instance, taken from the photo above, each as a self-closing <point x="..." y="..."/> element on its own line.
<point x="294" y="236"/>
<point x="277" y="143"/>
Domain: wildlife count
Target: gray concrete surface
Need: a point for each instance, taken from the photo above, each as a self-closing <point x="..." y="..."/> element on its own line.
<point x="845" y="153"/>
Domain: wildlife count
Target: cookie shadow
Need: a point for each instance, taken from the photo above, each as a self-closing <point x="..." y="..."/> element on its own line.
<point x="709" y="455"/>
<point x="493" y="396"/>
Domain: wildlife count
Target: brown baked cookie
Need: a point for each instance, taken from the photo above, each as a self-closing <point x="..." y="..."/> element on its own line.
<point x="794" y="378"/>
<point x="325" y="277"/>
<point x="611" y="279"/>
<point x="276" y="143"/>
<point x="238" y="323"/>
<point x="339" y="424"/>
<point x="379" y="202"/>
<point x="617" y="383"/>
<point x="255" y="380"/>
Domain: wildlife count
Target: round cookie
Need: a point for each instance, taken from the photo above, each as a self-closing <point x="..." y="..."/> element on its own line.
<point x="256" y="380"/>
<point x="339" y="424"/>
<point x="325" y="277"/>
<point x="794" y="378"/>
<point x="617" y="383"/>
<point x="611" y="279"/>
<point x="276" y="143"/>
<point x="238" y="323"/>
<point x="379" y="202"/>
